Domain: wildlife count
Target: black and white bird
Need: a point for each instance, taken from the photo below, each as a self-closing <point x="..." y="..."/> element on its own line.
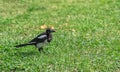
<point x="41" y="40"/>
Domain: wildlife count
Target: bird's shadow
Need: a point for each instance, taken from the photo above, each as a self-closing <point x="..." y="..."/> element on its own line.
<point x="30" y="53"/>
<point x="24" y="53"/>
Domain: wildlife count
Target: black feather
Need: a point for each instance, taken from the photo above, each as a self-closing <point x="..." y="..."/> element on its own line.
<point x="21" y="45"/>
<point x="37" y="39"/>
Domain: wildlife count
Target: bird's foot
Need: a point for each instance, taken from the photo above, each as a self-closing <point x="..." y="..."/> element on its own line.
<point x="41" y="50"/>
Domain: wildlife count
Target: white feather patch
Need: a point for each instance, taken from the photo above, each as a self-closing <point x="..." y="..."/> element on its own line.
<point x="42" y="36"/>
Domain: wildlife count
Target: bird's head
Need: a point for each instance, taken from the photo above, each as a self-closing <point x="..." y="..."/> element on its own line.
<point x="49" y="30"/>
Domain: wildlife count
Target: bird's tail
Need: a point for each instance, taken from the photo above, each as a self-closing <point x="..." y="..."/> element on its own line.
<point x="21" y="45"/>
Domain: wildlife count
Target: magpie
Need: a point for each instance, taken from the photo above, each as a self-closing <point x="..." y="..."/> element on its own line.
<point x="41" y="40"/>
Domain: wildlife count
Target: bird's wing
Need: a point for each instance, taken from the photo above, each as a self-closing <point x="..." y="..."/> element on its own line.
<point x="39" y="38"/>
<point x="42" y="36"/>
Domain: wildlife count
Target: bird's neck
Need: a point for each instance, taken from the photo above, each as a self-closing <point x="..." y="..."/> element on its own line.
<point x="48" y="34"/>
<point x="49" y="37"/>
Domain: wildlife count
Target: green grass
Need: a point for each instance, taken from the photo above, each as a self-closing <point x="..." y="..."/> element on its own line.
<point x="87" y="37"/>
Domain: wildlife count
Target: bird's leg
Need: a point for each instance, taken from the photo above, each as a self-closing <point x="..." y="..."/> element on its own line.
<point x="40" y="49"/>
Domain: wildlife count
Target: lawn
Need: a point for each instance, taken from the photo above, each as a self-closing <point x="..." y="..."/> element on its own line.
<point x="87" y="37"/>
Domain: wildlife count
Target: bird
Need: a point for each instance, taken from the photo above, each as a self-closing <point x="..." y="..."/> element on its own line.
<point x="40" y="41"/>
